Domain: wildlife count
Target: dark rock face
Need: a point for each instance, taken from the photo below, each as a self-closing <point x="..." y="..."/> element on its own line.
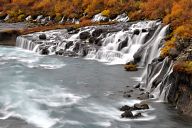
<point x="123" y="44"/>
<point x="42" y="37"/>
<point x="69" y="44"/>
<point x="97" y="32"/>
<point x="8" y="37"/>
<point x="84" y="35"/>
<point x="180" y="93"/>
<point x="136" y="32"/>
<point x="44" y="51"/>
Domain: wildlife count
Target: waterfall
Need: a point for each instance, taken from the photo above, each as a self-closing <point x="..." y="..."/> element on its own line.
<point x="111" y="44"/>
<point x="117" y="46"/>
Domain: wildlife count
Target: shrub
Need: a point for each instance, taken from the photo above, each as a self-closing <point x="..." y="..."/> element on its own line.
<point x="105" y="13"/>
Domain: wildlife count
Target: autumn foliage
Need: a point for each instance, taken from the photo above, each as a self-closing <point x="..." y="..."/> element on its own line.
<point x="177" y="13"/>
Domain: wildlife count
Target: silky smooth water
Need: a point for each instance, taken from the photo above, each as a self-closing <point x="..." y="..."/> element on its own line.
<point x="59" y="92"/>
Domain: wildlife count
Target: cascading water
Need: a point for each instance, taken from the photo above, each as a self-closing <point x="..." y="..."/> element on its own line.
<point x="112" y="47"/>
<point x="116" y="46"/>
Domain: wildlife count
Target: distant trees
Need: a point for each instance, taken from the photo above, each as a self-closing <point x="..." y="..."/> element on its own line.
<point x="174" y="12"/>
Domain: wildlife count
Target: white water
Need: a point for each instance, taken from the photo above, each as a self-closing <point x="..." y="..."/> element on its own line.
<point x="110" y="52"/>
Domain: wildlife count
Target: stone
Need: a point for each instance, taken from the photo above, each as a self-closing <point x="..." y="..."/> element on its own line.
<point x="42" y="37"/>
<point x="144" y="30"/>
<point x="137" y="86"/>
<point x="44" y="51"/>
<point x="127" y="114"/>
<point x="84" y="35"/>
<point x="137" y="115"/>
<point x="97" y="32"/>
<point x="69" y="44"/>
<point x="136" y="32"/>
<point x="141" y="106"/>
<point x="125" y="108"/>
<point x="123" y="44"/>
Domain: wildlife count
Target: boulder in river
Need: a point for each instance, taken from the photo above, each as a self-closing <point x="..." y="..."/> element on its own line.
<point x="127" y="114"/>
<point x="141" y="106"/>
<point x="97" y="32"/>
<point x="136" y="32"/>
<point x="84" y="35"/>
<point x="42" y="37"/>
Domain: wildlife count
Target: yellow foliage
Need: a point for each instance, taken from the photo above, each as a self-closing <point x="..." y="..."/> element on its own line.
<point x="183" y="67"/>
<point x="167" y="46"/>
<point x="105" y="13"/>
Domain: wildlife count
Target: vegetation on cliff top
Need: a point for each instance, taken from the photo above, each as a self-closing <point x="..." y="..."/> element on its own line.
<point x="177" y="13"/>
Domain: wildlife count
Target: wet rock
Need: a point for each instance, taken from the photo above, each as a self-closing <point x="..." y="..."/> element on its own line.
<point x="42" y="37"/>
<point x="137" y="86"/>
<point x="144" y="96"/>
<point x="60" y="52"/>
<point x="44" y="51"/>
<point x="92" y="40"/>
<point x="141" y="106"/>
<point x="98" y="42"/>
<point x="97" y="32"/>
<point x="125" y="108"/>
<point x="77" y="47"/>
<point x="70" y="54"/>
<point x="74" y="31"/>
<point x="144" y="30"/>
<point x="127" y="95"/>
<point x="137" y="115"/>
<point x="136" y="32"/>
<point x="84" y="35"/>
<point x="127" y="114"/>
<point x="69" y="29"/>
<point x="69" y="44"/>
<point x="123" y="44"/>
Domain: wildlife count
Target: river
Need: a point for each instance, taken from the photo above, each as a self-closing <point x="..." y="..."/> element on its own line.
<point x="61" y="92"/>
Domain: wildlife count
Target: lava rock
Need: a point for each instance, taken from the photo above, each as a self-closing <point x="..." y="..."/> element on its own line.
<point x="127" y="114"/>
<point x="92" y="40"/>
<point x="60" y="52"/>
<point x="141" y="106"/>
<point x="144" y="96"/>
<point x="84" y="35"/>
<point x="69" y="44"/>
<point x="69" y="29"/>
<point x="144" y="30"/>
<point x="123" y="44"/>
<point x="44" y="51"/>
<point x="138" y="115"/>
<point x="97" y="32"/>
<point x="136" y="32"/>
<point x="125" y="108"/>
<point x="42" y="37"/>
<point x="137" y="86"/>
<point x="77" y="47"/>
